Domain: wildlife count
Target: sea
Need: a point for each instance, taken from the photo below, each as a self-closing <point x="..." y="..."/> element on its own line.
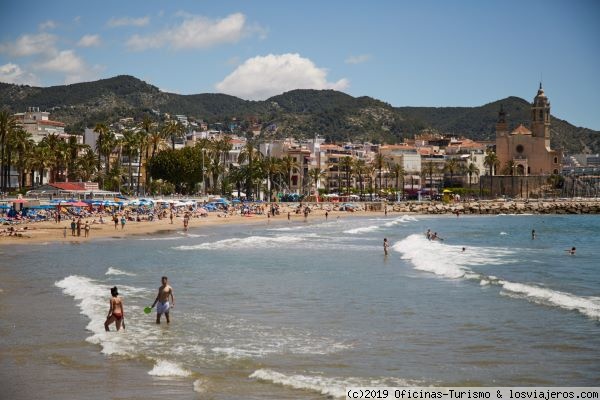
<point x="304" y="309"/>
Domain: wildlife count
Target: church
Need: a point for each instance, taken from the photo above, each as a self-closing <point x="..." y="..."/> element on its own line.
<point x="527" y="151"/>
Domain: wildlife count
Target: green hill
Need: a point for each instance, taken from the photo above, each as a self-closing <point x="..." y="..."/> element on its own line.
<point x="300" y="113"/>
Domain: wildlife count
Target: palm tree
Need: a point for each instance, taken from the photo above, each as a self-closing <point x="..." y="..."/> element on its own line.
<point x="472" y="170"/>
<point x="131" y="141"/>
<point x="23" y="146"/>
<point x="87" y="165"/>
<point x="147" y="126"/>
<point x="346" y="163"/>
<point x="451" y="167"/>
<point x="251" y="155"/>
<point x="379" y="163"/>
<point x="52" y="141"/>
<point x="429" y="168"/>
<point x="73" y="148"/>
<point x="102" y="130"/>
<point x="7" y="125"/>
<point x="399" y="172"/>
<point x="271" y="167"/>
<point x="491" y="161"/>
<point x="317" y="174"/>
<point x="42" y="160"/>
<point x="289" y="164"/>
<point x="360" y="167"/>
<point x="174" y="130"/>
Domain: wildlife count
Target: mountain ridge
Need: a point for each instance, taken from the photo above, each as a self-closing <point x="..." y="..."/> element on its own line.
<point x="300" y="113"/>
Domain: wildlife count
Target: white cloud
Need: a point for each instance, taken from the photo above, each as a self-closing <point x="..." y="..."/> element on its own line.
<point x="261" y="77"/>
<point x="89" y="41"/>
<point x="49" y="24"/>
<point x="195" y="32"/>
<point x="12" y="73"/>
<point x="127" y="21"/>
<point x="27" y="45"/>
<point x="63" y="61"/>
<point x="358" y="59"/>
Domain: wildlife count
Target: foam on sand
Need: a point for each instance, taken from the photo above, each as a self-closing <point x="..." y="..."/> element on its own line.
<point x="166" y="368"/>
<point x="335" y="387"/>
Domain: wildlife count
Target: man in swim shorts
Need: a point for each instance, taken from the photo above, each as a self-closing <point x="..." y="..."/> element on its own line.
<point x="162" y="298"/>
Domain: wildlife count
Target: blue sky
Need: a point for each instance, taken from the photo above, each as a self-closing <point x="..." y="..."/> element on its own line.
<point x="418" y="53"/>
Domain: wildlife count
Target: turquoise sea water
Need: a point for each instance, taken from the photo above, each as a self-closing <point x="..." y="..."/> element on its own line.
<point x="302" y="310"/>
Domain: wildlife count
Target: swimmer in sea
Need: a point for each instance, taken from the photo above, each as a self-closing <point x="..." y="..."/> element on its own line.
<point x="385" y="246"/>
<point x="116" y="312"/>
<point x="571" y="251"/>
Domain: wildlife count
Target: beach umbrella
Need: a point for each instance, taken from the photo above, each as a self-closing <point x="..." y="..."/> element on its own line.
<point x="77" y="204"/>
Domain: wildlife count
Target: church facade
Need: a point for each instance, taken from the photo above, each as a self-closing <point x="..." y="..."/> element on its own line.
<point x="525" y="152"/>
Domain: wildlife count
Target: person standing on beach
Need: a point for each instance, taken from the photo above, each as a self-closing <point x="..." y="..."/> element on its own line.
<point x="171" y="217"/>
<point x="65" y="232"/>
<point x="123" y="220"/>
<point x="162" y="298"/>
<point x="73" y="227"/>
<point x="326" y="215"/>
<point x="116" y="312"/>
<point x="86" y="229"/>
<point x="116" y="220"/>
<point x="79" y="226"/>
<point x="385" y="246"/>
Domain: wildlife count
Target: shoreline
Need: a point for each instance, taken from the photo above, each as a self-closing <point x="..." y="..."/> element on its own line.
<point x="52" y="232"/>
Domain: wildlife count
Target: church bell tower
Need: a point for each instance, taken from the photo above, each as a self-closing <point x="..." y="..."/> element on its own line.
<point x="540" y="116"/>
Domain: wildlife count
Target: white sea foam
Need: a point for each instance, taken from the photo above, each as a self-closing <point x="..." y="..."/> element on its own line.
<point x="115" y="271"/>
<point x="589" y="306"/>
<point x="335" y="387"/>
<point x="363" y="229"/>
<point x="248" y="242"/>
<point x="448" y="261"/>
<point x="503" y="233"/>
<point x="166" y="368"/>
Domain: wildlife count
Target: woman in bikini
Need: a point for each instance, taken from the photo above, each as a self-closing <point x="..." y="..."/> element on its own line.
<point x="116" y="312"/>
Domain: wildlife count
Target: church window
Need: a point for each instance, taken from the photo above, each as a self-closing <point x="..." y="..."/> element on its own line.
<point x="555" y="160"/>
<point x="519" y="148"/>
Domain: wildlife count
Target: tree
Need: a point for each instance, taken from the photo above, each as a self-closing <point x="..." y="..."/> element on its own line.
<point x="289" y="165"/>
<point x="252" y="156"/>
<point x="271" y="167"/>
<point x="102" y="131"/>
<point x="7" y="125"/>
<point x="360" y="167"/>
<point x="399" y="172"/>
<point x="316" y="174"/>
<point x="148" y="127"/>
<point x="491" y="161"/>
<point x="472" y="170"/>
<point x="346" y="163"/>
<point x="131" y="148"/>
<point x="23" y="146"/>
<point x="379" y="163"/>
<point x="428" y="169"/>
<point x="87" y="165"/>
<point x="451" y="166"/>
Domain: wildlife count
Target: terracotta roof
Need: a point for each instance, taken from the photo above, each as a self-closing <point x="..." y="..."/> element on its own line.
<point x="521" y="130"/>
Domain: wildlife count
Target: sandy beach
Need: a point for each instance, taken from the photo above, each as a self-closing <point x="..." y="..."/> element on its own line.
<point x="50" y="231"/>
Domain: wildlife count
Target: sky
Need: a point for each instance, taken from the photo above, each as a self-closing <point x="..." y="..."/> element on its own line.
<point x="406" y="53"/>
